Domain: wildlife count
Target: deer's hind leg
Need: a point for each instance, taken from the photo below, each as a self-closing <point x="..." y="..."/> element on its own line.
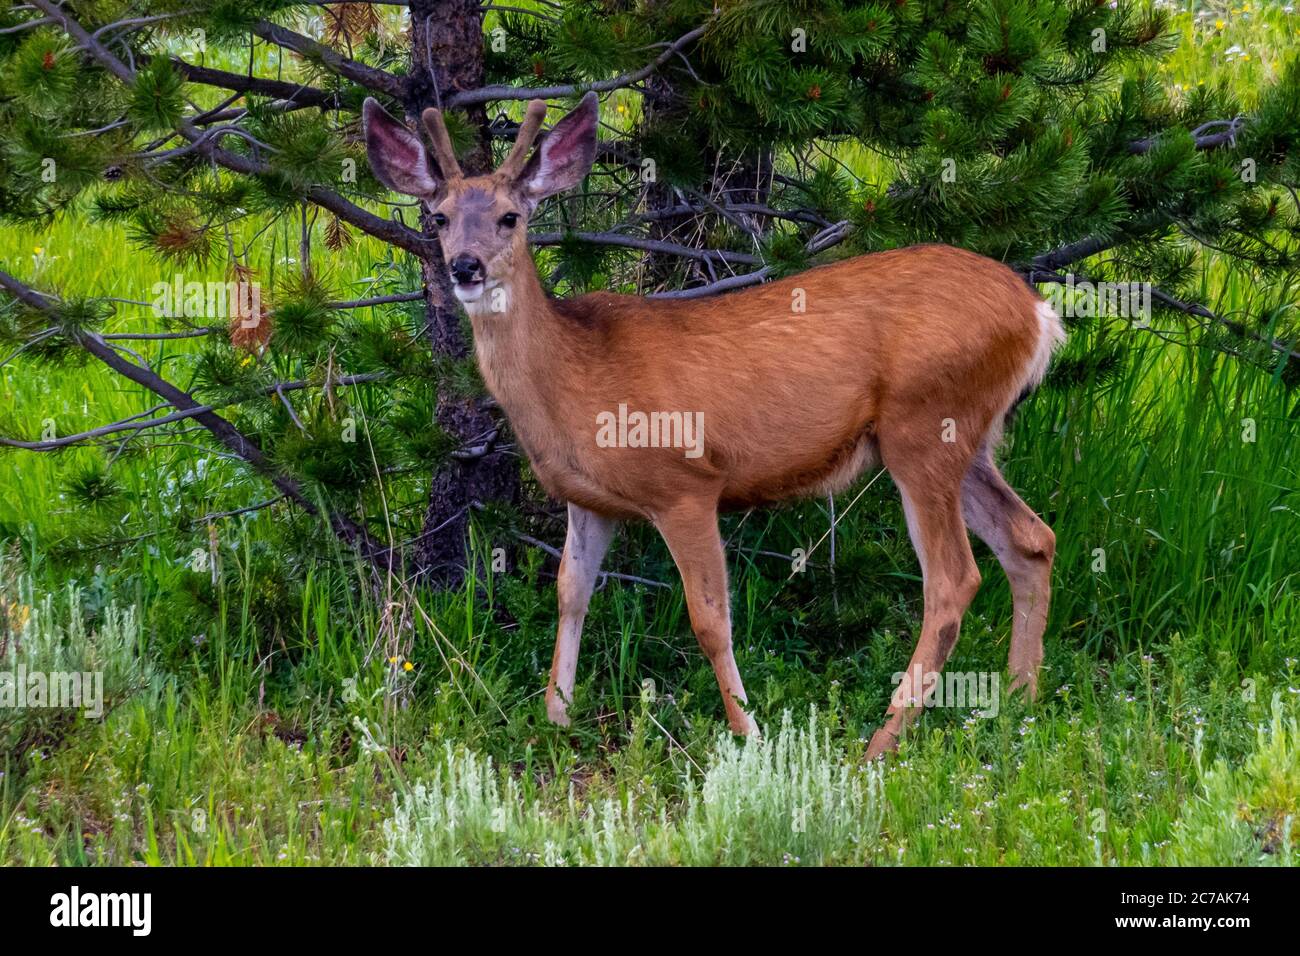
<point x="1024" y="546"/>
<point x="928" y="473"/>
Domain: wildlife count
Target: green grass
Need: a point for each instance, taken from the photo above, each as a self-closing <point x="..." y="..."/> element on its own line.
<point x="265" y="714"/>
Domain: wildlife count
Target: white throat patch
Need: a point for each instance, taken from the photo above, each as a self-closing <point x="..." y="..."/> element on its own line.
<point x="490" y="297"/>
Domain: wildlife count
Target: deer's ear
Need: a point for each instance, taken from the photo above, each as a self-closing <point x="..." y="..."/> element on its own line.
<point x="565" y="154"/>
<point x="396" y="154"/>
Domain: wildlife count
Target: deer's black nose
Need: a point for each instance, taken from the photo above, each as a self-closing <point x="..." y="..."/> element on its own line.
<point x="466" y="268"/>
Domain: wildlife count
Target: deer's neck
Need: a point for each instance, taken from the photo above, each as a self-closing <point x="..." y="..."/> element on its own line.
<point x="522" y="348"/>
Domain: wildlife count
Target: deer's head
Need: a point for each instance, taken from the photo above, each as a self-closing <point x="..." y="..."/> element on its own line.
<point x="482" y="220"/>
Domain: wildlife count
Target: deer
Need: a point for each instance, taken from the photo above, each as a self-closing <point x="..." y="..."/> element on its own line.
<point x="908" y="359"/>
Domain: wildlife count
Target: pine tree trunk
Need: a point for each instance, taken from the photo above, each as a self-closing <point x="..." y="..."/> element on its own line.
<point x="447" y="56"/>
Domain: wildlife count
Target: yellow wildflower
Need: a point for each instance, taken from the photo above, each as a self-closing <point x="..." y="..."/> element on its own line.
<point x="16" y="615"/>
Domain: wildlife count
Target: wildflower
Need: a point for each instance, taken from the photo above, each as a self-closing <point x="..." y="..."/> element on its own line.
<point x="408" y="666"/>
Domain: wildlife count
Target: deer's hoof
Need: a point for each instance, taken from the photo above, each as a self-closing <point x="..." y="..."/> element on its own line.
<point x="557" y="711"/>
<point x="883" y="741"/>
<point x="748" y="728"/>
<point x="1026" y="684"/>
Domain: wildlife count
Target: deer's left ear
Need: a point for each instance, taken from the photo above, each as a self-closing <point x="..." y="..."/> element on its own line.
<point x="396" y="154"/>
<point x="565" y="154"/>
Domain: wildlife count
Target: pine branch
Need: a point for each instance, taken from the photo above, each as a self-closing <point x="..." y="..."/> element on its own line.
<point x="87" y="41"/>
<point x="218" y="427"/>
<point x="387" y="230"/>
<point x="1073" y="252"/>
<point x="1200" y="311"/>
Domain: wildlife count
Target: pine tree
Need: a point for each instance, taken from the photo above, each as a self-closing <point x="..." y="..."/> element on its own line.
<point x="1034" y="132"/>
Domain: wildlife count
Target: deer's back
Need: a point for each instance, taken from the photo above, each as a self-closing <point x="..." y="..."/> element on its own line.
<point x="792" y="380"/>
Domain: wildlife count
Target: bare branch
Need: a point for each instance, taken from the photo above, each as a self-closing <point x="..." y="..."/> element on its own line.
<point x="1189" y="308"/>
<point x="488" y="94"/>
<point x="648" y="245"/>
<point x="298" y="93"/>
<point x="187" y="334"/>
<point x="713" y="288"/>
<point x="377" y="300"/>
<point x="830" y="236"/>
<point x="555" y="553"/>
<point x="368" y="76"/>
<point x="28" y="25"/>
<point x="751" y="209"/>
<point x="1204" y="139"/>
<point x="212" y="516"/>
<point x="138" y="423"/>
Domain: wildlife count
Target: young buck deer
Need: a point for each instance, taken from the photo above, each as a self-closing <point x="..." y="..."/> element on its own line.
<point x="911" y="358"/>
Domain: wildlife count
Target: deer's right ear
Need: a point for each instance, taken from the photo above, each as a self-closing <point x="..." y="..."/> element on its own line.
<point x="396" y="154"/>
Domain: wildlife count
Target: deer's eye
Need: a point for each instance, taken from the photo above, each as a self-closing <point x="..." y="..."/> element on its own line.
<point x="440" y="220"/>
<point x="509" y="220"/>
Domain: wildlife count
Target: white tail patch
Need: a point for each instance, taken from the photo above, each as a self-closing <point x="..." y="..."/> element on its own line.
<point x="1051" y="334"/>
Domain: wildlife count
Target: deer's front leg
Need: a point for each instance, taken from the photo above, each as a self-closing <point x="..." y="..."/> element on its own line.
<point x="690" y="530"/>
<point x="584" y="547"/>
